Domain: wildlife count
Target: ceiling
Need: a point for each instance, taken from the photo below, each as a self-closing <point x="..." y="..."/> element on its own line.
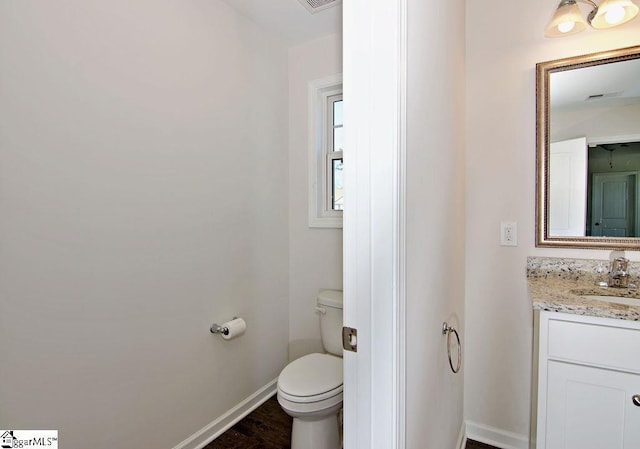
<point x="289" y="19"/>
<point x="596" y="86"/>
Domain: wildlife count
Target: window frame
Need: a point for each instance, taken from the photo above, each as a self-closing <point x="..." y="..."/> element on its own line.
<point x="330" y="152"/>
<point x="320" y="117"/>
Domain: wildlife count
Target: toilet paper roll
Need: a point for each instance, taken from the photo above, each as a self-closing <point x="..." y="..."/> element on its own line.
<point x="235" y="328"/>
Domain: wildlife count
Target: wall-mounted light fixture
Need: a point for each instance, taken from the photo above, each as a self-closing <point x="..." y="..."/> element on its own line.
<point x="610" y="13"/>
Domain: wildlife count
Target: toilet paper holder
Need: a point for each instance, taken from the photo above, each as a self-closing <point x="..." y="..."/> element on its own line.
<point x="217" y="329"/>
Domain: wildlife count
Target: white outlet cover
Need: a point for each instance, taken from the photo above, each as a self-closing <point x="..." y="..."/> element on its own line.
<point x="508" y="233"/>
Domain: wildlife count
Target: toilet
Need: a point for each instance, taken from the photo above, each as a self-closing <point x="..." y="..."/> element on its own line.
<point x="310" y="388"/>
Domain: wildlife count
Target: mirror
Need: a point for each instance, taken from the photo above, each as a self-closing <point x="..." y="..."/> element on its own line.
<point x="588" y="151"/>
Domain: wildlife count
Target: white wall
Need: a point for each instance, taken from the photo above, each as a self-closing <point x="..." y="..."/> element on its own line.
<point x="315" y="254"/>
<point x="435" y="220"/>
<point x="504" y="42"/>
<point x="592" y="123"/>
<point x="143" y="195"/>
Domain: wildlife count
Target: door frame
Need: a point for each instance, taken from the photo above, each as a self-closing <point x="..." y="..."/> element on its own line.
<point x="374" y="70"/>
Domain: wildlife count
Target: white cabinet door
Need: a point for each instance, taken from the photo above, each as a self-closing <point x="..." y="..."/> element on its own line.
<point x="591" y="408"/>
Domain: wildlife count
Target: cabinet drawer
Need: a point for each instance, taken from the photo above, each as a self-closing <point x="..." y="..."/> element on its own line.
<point x="594" y="344"/>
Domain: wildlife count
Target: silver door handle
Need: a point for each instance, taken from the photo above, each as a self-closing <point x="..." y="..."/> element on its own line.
<point x="636" y="400"/>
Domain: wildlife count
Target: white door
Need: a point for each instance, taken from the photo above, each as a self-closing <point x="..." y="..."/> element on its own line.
<point x="373" y="71"/>
<point x="591" y="408"/>
<point x="613" y="205"/>
<point x="568" y="187"/>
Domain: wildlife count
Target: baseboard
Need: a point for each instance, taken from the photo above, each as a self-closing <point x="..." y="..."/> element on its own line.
<point x="217" y="427"/>
<point x="495" y="437"/>
<point x="462" y="441"/>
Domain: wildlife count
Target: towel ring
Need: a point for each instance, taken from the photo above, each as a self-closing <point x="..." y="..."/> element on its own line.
<point x="446" y="329"/>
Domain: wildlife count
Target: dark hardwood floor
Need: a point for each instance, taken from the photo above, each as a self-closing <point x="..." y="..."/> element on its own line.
<point x="268" y="427"/>
<point x="476" y="445"/>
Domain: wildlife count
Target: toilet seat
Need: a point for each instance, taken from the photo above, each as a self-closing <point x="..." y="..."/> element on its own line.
<point x="312" y="378"/>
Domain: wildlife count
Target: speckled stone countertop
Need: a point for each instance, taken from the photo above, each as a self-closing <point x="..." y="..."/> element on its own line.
<point x="557" y="284"/>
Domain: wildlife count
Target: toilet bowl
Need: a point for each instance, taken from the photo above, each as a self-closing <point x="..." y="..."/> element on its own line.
<point x="310" y="388"/>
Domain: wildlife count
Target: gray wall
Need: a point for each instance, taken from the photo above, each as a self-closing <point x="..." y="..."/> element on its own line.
<point x="143" y="195"/>
<point x="435" y="220"/>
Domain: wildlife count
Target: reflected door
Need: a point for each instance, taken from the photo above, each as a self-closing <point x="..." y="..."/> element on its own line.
<point x="613" y="207"/>
<point x="568" y="187"/>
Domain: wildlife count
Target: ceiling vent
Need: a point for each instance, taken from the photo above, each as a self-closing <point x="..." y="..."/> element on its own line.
<point x="602" y="96"/>
<point x="314" y="6"/>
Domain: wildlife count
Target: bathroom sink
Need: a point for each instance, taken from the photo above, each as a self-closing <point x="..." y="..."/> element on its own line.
<point x="614" y="299"/>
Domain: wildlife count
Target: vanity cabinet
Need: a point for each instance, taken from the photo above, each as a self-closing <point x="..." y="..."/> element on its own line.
<point x="588" y="394"/>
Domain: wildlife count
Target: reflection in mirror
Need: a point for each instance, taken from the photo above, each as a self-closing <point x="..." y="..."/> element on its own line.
<point x="589" y="151"/>
<point x="613" y="179"/>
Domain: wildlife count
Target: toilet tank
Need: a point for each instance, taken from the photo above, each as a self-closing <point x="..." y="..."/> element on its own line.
<point x="330" y="308"/>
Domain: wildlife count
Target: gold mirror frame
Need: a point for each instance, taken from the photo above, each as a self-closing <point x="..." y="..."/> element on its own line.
<point x="543" y="72"/>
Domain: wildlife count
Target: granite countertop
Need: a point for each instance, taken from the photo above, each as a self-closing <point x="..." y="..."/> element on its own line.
<point x="558" y="285"/>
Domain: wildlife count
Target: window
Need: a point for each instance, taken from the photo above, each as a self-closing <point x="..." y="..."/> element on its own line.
<point x="326" y="146"/>
<point x="335" y="146"/>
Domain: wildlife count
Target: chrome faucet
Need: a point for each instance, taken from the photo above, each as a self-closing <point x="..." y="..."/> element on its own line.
<point x="618" y="274"/>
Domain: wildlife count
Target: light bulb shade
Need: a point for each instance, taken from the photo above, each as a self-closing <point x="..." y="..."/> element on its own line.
<point x="567" y="20"/>
<point x="612" y="13"/>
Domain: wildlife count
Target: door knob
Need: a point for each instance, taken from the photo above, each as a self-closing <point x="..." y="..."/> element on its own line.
<point x="636" y="400"/>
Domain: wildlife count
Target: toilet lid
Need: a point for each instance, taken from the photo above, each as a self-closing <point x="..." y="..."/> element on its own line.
<point x="312" y="375"/>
